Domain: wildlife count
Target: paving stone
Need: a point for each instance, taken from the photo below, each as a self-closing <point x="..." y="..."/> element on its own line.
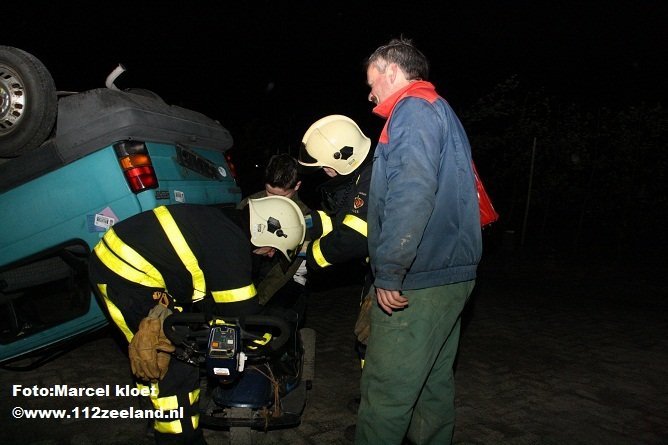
<point x="548" y="356"/>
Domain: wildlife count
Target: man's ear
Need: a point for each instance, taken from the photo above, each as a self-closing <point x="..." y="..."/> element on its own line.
<point x="297" y="185"/>
<point x="391" y="72"/>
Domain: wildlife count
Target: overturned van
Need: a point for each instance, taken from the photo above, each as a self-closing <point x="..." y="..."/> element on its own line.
<point x="68" y="174"/>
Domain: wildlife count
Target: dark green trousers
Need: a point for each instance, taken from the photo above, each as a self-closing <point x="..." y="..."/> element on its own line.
<point x="407" y="386"/>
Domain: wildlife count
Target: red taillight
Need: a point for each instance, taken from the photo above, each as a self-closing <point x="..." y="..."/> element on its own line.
<point x="136" y="164"/>
<point x="141" y="178"/>
<point x="230" y="164"/>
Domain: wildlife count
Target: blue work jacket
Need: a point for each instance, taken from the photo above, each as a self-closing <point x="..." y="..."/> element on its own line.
<point x="423" y="217"/>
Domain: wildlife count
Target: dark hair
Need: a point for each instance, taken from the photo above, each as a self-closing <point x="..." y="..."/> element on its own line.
<point x="402" y="52"/>
<point x="281" y="171"/>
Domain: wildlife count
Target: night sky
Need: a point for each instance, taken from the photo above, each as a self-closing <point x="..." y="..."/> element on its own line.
<point x="286" y="64"/>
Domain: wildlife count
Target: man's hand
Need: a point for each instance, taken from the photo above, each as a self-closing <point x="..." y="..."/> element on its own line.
<point x="390" y="300"/>
<point x="149" y="350"/>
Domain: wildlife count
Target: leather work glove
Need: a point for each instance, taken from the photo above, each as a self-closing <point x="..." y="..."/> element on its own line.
<point x="149" y="350"/>
<point x="363" y="323"/>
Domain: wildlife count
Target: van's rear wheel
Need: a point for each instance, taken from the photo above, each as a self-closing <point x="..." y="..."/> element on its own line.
<point x="28" y="102"/>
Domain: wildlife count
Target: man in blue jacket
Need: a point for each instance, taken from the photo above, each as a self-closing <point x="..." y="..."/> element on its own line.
<point x="424" y="244"/>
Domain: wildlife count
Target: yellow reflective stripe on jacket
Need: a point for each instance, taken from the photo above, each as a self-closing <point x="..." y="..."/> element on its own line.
<point x="115" y="313"/>
<point x="194" y="396"/>
<point x="173" y="427"/>
<point x="123" y="260"/>
<point x="165" y="403"/>
<point x="182" y="250"/>
<point x="318" y="256"/>
<point x="356" y="223"/>
<point x="171" y="403"/>
<point x="326" y="223"/>
<point x="234" y="295"/>
<point x="146" y="389"/>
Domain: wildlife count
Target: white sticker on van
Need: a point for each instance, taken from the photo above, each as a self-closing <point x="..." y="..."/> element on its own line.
<point x="103" y="221"/>
<point x="100" y="222"/>
<point x="179" y="196"/>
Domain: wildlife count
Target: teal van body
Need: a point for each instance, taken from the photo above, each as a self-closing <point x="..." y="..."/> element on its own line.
<point x="57" y="201"/>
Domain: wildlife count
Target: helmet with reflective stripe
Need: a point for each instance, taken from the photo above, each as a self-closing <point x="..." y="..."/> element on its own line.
<point x="277" y="222"/>
<point x="334" y="141"/>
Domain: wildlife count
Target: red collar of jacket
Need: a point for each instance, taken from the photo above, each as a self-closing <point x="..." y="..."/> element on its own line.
<point x="420" y="88"/>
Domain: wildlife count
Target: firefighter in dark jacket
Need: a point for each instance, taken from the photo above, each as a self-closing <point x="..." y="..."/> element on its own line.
<point x="339" y="230"/>
<point x="185" y="258"/>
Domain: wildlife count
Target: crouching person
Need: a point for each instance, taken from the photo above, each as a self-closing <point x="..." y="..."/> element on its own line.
<point x="185" y="258"/>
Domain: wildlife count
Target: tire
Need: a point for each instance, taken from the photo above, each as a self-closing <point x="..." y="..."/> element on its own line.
<point x="28" y="102"/>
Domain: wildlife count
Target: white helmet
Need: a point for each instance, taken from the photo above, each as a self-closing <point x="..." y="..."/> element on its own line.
<point x="334" y="141"/>
<point x="276" y="221"/>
